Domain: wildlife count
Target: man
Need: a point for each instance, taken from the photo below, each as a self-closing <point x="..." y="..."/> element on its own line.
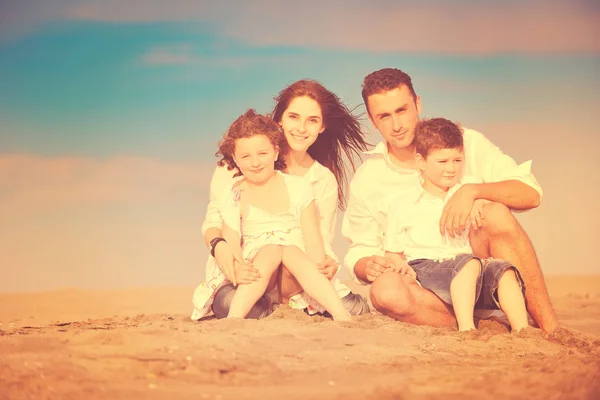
<point x="393" y="107"/>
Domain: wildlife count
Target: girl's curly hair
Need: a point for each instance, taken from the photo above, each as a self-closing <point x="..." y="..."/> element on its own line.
<point x="247" y="125"/>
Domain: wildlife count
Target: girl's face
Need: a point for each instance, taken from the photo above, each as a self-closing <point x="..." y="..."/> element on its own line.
<point x="255" y="156"/>
<point x="302" y="122"/>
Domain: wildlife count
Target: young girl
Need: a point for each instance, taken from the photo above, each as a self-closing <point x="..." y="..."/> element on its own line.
<point x="322" y="136"/>
<point x="279" y="219"/>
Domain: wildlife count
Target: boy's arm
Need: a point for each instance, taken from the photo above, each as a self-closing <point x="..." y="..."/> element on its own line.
<point x="311" y="233"/>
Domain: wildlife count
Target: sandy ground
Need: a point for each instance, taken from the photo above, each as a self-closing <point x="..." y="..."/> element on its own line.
<point x="141" y="344"/>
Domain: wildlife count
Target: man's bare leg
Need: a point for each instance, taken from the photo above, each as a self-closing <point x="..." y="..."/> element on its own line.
<point x="501" y="236"/>
<point x="400" y="297"/>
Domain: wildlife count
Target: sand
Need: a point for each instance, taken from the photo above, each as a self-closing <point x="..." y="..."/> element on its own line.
<point x="141" y="344"/>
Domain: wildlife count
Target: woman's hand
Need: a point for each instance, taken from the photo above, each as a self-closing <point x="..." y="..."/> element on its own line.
<point x="328" y="267"/>
<point x="225" y="260"/>
<point x="245" y="273"/>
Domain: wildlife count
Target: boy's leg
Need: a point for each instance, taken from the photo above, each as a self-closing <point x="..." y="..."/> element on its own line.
<point x="266" y="261"/>
<point x="314" y="283"/>
<point x="502" y="237"/>
<point x="463" y="290"/>
<point x="512" y="302"/>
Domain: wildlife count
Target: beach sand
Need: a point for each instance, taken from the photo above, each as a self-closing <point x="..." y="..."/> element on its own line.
<point x="141" y="344"/>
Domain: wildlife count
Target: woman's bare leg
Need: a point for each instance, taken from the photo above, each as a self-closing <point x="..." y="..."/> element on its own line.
<point x="266" y="261"/>
<point x="314" y="283"/>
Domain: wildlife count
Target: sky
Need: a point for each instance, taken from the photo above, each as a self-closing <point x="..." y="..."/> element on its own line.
<point x="110" y="115"/>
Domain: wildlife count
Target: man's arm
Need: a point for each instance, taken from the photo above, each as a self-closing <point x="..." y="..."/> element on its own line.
<point x="513" y="194"/>
<point x="504" y="182"/>
<point x="365" y="235"/>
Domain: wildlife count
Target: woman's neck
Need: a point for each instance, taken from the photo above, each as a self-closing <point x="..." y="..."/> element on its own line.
<point x="298" y="163"/>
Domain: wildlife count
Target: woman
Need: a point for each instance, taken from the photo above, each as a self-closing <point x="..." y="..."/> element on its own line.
<point x="320" y="132"/>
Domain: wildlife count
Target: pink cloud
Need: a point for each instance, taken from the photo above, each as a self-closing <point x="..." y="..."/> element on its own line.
<point x="470" y="28"/>
<point x="34" y="184"/>
<point x="170" y="55"/>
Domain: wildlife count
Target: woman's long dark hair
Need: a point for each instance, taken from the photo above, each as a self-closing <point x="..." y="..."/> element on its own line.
<point x="343" y="133"/>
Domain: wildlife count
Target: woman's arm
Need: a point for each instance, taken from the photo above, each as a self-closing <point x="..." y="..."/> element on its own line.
<point x="311" y="232"/>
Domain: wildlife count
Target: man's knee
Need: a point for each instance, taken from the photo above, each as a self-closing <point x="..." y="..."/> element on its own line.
<point x="499" y="220"/>
<point x="393" y="293"/>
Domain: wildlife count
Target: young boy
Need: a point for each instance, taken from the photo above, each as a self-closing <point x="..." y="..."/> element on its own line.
<point x="442" y="264"/>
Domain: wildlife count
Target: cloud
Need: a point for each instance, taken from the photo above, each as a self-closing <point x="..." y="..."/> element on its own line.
<point x="460" y="27"/>
<point x="170" y="55"/>
<point x="32" y="184"/>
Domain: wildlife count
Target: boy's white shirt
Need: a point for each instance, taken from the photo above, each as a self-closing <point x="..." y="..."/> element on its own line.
<point x="413" y="225"/>
<point x="378" y="179"/>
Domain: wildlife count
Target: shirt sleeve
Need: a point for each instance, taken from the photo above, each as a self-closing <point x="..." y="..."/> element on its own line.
<point x="492" y="165"/>
<point x="326" y="196"/>
<point x="361" y="229"/>
<point x="218" y="184"/>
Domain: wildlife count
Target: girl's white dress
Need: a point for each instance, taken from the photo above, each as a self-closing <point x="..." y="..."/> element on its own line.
<point x="258" y="229"/>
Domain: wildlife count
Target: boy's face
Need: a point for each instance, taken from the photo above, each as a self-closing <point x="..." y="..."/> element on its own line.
<point x="255" y="156"/>
<point x="442" y="168"/>
<point x="395" y="114"/>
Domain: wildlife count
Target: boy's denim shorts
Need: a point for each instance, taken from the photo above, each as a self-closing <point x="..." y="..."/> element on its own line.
<point x="437" y="275"/>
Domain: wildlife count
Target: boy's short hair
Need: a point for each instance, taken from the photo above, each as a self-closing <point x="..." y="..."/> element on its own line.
<point x="384" y="80"/>
<point x="437" y="134"/>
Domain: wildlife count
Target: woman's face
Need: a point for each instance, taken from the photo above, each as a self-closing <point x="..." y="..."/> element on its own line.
<point x="302" y="123"/>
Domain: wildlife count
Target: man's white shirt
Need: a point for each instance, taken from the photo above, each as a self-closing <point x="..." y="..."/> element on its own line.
<point x="378" y="179"/>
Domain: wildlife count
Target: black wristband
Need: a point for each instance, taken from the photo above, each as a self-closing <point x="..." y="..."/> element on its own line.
<point x="213" y="244"/>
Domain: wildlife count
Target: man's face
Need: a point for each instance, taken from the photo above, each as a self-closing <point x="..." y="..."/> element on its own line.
<point x="395" y="114"/>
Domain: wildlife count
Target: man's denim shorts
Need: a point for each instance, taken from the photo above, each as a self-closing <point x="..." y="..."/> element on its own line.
<point x="436" y="275"/>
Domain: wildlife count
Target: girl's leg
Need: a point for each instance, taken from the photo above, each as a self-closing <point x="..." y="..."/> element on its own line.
<point x="512" y="302"/>
<point x="463" y="291"/>
<point x="266" y="261"/>
<point x="313" y="282"/>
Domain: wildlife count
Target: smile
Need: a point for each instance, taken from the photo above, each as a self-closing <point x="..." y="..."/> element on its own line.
<point x="298" y="137"/>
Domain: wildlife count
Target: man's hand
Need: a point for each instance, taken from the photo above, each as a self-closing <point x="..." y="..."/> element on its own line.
<point x="457" y="210"/>
<point x="397" y="263"/>
<point x="328" y="267"/>
<point x="476" y="216"/>
<point x="375" y="267"/>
